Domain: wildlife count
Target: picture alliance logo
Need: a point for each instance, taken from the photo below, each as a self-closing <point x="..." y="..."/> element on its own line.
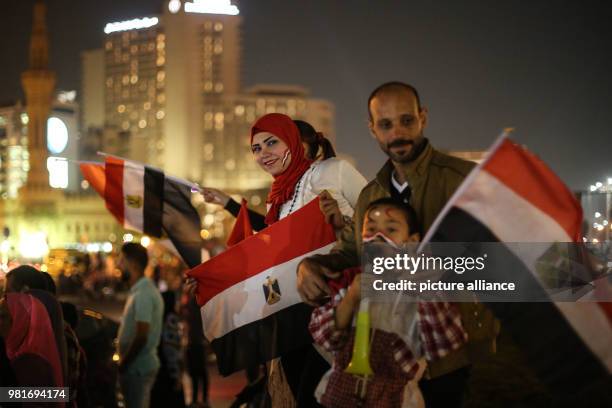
<point x="422" y="262"/>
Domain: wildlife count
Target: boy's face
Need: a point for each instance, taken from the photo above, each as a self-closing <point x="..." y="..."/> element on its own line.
<point x="389" y="221"/>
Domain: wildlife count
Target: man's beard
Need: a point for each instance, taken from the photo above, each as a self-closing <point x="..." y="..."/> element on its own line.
<point x="416" y="147"/>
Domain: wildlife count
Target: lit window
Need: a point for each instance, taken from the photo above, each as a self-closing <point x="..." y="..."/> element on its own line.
<point x="208" y="86"/>
<point x="160" y="114"/>
<point x="239" y="110"/>
<point x="218" y="49"/>
<point x="121" y="108"/>
<point x="125" y="80"/>
<point x="230" y="164"/>
<point x="161" y="98"/>
<point x="24" y="118"/>
<point x="218" y="27"/>
<point x="209" y="148"/>
<point x="161" y="37"/>
<point x="218" y="87"/>
<point x="109" y="45"/>
<point x="125" y="125"/>
<point x="161" y="61"/>
<point x="134" y="79"/>
<point x="142" y="124"/>
<point x="133" y="49"/>
<point x="161" y="75"/>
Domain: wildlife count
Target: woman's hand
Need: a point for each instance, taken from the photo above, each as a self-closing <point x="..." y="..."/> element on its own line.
<point x="214" y="196"/>
<point x="330" y="209"/>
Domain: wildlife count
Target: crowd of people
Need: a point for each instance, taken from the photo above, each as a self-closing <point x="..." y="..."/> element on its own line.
<point x="398" y="206"/>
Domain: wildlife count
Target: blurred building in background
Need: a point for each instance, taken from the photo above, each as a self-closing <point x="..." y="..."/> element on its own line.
<point x="166" y="90"/>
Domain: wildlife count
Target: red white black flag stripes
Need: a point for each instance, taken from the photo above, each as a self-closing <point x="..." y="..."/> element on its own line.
<point x="134" y="194"/>
<point x="251" y="311"/>
<point x="514" y="197"/>
<point x="143" y="199"/>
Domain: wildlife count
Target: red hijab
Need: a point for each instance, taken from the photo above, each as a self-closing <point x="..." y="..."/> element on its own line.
<point x="31" y="333"/>
<point x="284" y="184"/>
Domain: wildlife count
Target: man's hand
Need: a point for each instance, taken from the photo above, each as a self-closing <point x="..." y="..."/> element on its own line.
<point x="331" y="211"/>
<point x="311" y="283"/>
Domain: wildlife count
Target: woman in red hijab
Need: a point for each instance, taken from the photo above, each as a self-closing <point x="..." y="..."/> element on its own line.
<point x="276" y="144"/>
<point x="26" y="330"/>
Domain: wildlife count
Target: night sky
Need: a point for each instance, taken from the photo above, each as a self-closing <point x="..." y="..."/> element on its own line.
<point x="543" y="67"/>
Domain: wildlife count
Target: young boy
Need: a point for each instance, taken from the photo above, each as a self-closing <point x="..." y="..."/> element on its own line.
<point x="393" y="363"/>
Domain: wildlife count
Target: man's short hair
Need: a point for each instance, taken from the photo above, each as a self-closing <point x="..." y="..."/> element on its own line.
<point x="406" y="209"/>
<point x="135" y="253"/>
<point x="393" y="86"/>
<point x="26" y="275"/>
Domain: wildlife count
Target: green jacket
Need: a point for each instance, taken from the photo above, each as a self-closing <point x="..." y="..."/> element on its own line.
<point x="433" y="177"/>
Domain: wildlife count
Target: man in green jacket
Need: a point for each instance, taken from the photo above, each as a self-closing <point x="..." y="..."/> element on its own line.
<point x="418" y="175"/>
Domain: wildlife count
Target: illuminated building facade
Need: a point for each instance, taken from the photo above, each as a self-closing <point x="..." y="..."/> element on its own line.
<point x="165" y="90"/>
<point x="158" y="72"/>
<point x="39" y="206"/>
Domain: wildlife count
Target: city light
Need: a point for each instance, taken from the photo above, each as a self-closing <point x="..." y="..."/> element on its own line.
<point x="212" y="7"/>
<point x="33" y="245"/>
<point x="145" y="241"/>
<point x="134" y="24"/>
<point x="597" y="214"/>
<point x="107" y="247"/>
<point x="174" y="6"/>
<point x="128" y="237"/>
<point x="57" y="135"/>
<point x="58" y="172"/>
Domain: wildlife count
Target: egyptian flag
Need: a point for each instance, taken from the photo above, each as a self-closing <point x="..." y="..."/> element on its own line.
<point x="242" y="228"/>
<point x="251" y="310"/>
<point x="514" y="197"/>
<point x="143" y="199"/>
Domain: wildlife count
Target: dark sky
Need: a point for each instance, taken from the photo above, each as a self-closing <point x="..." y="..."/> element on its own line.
<point x="544" y="67"/>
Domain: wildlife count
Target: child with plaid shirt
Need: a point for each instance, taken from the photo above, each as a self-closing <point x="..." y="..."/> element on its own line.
<point x="393" y="363"/>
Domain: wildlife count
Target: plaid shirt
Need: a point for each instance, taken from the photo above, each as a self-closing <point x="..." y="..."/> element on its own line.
<point x="439" y="323"/>
<point x="393" y="363"/>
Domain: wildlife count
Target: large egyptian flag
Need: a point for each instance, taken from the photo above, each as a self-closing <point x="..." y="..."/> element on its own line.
<point x="143" y="199"/>
<point x="513" y="197"/>
<point x="251" y="311"/>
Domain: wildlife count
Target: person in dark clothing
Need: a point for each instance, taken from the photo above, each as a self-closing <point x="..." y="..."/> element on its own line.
<point x="168" y="388"/>
<point x="197" y="366"/>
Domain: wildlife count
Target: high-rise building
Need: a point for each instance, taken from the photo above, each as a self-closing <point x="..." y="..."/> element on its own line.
<point x="157" y="73"/>
<point x="165" y="90"/>
<point x="173" y="82"/>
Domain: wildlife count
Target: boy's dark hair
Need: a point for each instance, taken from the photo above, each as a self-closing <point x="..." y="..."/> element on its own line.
<point x="393" y="86"/>
<point x="136" y="253"/>
<point x="26" y="275"/>
<point x="407" y="210"/>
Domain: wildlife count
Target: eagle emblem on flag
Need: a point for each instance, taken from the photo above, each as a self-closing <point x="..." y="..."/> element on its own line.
<point x="133" y="201"/>
<point x="271" y="291"/>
